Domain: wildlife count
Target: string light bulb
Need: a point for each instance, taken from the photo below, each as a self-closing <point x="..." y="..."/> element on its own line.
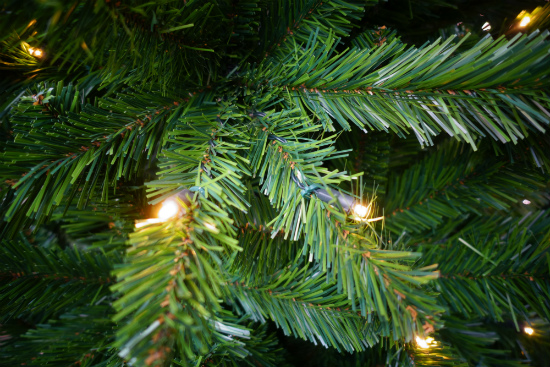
<point x="347" y="202"/>
<point x="528" y="330"/>
<point x="525" y="20"/>
<point x="526" y="202"/>
<point x="361" y="211"/>
<point x="422" y="343"/>
<point x="36" y="52"/>
<point x="486" y="27"/>
<point x="425" y="343"/>
<point x="170" y="208"/>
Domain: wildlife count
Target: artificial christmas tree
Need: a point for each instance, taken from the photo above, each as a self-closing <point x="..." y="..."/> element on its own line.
<point x="182" y="184"/>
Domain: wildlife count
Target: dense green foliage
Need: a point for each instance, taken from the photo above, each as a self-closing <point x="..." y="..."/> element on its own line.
<point x="242" y="112"/>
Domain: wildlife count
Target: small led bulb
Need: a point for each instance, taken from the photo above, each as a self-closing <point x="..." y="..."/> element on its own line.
<point x="361" y="211"/>
<point x="36" y="52"/>
<point x="422" y="343"/>
<point x="526" y="19"/>
<point x="528" y="330"/>
<point x="168" y="210"/>
<point x="425" y="343"/>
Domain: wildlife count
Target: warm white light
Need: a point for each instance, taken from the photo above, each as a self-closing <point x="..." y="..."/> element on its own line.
<point x="361" y="211"/>
<point x="425" y="343"/>
<point x="36" y="52"/>
<point x="526" y="19"/>
<point x="169" y="209"/>
<point x="422" y="343"/>
<point x="526" y="202"/>
<point x="486" y="26"/>
<point x="145" y="222"/>
<point x="375" y="219"/>
<point x="529" y="330"/>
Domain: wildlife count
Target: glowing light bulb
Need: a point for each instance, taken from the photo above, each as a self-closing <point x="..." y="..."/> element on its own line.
<point x="169" y="209"/>
<point x="145" y="222"/>
<point x="422" y="343"/>
<point x="429" y="340"/>
<point x="529" y="330"/>
<point x="36" y="52"/>
<point x="526" y="19"/>
<point x="526" y="202"/>
<point x="361" y="211"/>
<point x="486" y="26"/>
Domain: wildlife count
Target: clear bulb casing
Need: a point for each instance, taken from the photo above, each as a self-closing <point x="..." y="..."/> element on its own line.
<point x="169" y="209"/>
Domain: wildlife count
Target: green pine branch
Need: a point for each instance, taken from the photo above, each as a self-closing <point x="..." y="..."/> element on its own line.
<point x="425" y="195"/>
<point x="371" y="281"/>
<point x="479" y="341"/>
<point x="302" y="157"/>
<point x="423" y="91"/>
<point x="303" y="304"/>
<point x="204" y="150"/>
<point x="170" y="285"/>
<point x="356" y="273"/>
<point x="499" y="269"/>
<point x="284" y="23"/>
<point x="262" y="252"/>
<point x="80" y="334"/>
<point x="75" y="147"/>
<point x="240" y="342"/>
<point x="37" y="281"/>
<point x="161" y="97"/>
<point x="105" y="225"/>
<point x="370" y="154"/>
<point x="532" y="149"/>
<point x="138" y="42"/>
<point x="438" y="355"/>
